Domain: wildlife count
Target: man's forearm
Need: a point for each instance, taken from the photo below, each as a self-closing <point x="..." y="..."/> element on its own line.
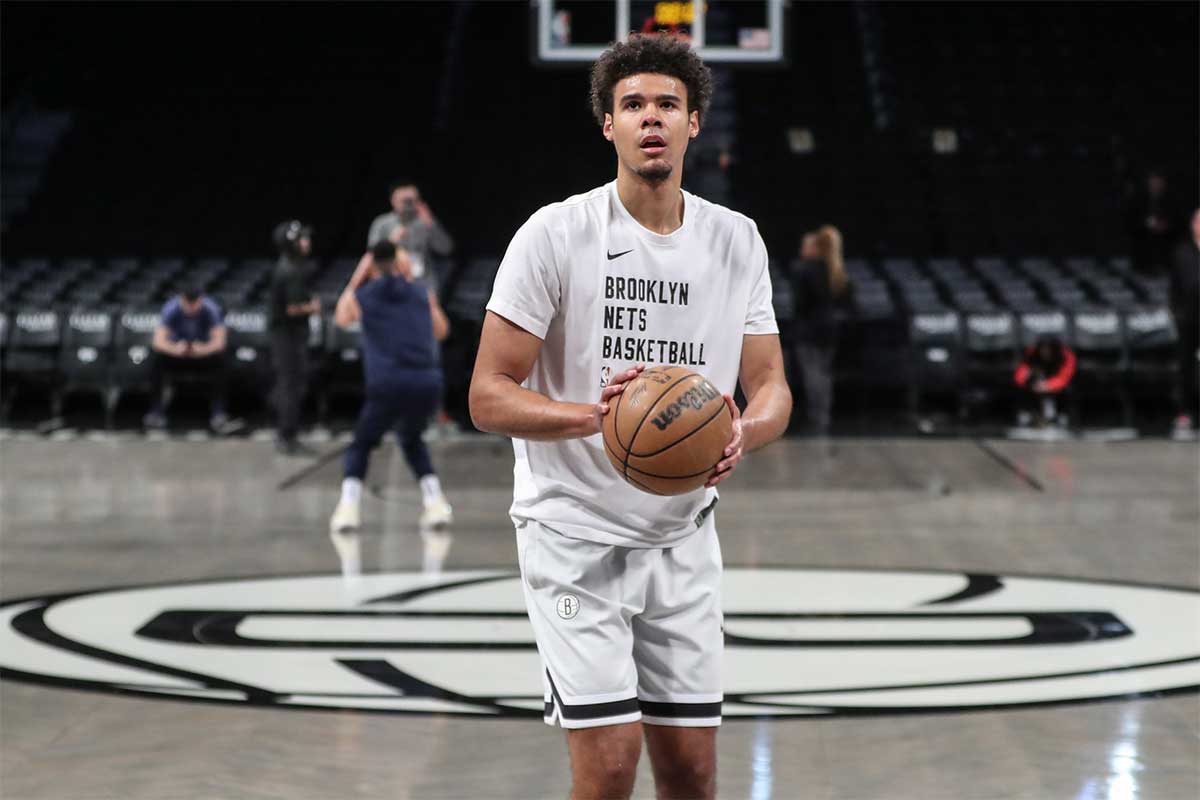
<point x="766" y="416"/>
<point x="501" y="405"/>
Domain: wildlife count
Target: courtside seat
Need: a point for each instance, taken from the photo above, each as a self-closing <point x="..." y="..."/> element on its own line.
<point x="132" y="338"/>
<point x="342" y="369"/>
<point x="86" y="358"/>
<point x="1101" y="359"/>
<point x="935" y="356"/>
<point x="1152" y="340"/>
<point x="248" y="348"/>
<point x="31" y="360"/>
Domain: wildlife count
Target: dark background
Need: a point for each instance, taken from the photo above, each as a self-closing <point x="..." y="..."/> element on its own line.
<point x="196" y="127"/>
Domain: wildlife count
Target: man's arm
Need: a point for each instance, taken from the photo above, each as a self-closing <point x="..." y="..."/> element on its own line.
<point x="499" y="404"/>
<point x="768" y="402"/>
<point x="217" y="338"/>
<point x="441" y="324"/>
<point x="347" y="311"/>
<point x="162" y="343"/>
<point x="768" y="398"/>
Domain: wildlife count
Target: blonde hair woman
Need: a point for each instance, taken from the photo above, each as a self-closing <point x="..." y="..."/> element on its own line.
<point x="818" y="280"/>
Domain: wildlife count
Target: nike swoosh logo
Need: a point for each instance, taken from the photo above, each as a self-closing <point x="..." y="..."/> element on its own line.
<point x="611" y="256"/>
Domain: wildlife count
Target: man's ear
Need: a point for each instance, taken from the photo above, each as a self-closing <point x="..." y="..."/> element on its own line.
<point x="693" y="124"/>
<point x="608" y="127"/>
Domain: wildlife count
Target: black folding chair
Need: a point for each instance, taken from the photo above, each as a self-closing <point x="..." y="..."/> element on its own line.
<point x="935" y="358"/>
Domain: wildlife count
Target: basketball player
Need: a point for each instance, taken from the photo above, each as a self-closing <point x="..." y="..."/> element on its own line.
<point x="623" y="587"/>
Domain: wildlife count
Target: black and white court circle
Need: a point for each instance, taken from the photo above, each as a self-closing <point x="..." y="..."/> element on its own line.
<point x="797" y="642"/>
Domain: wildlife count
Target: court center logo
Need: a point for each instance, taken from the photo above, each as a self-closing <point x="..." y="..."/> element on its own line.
<point x="798" y="642"/>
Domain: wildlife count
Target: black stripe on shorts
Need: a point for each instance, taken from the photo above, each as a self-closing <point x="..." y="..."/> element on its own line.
<point x="680" y="710"/>
<point x="616" y="708"/>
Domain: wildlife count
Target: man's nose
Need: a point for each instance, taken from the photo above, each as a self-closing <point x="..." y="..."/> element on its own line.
<point x="650" y="118"/>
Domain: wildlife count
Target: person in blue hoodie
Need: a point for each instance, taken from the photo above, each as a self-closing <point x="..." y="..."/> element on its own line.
<point x="402" y="323"/>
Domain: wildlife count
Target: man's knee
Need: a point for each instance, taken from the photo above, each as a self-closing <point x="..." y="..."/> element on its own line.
<point x="604" y="761"/>
<point x="691" y="776"/>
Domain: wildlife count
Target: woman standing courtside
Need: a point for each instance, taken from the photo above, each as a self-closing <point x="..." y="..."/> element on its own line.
<point x="818" y="280"/>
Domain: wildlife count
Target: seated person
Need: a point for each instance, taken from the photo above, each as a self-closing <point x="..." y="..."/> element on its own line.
<point x="1045" y="371"/>
<point x="190" y="339"/>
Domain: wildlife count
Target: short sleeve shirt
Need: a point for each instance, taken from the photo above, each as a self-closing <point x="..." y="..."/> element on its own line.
<point x="183" y="327"/>
<point x="605" y="293"/>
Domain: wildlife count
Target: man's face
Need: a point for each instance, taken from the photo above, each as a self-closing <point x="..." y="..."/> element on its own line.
<point x="191" y="307"/>
<point x="1196" y="225"/>
<point x="650" y="125"/>
<point x="304" y="245"/>
<point x="404" y="196"/>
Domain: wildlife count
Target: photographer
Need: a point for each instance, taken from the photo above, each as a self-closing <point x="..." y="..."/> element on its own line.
<point x="410" y="224"/>
<point x="292" y="302"/>
<point x="190" y="340"/>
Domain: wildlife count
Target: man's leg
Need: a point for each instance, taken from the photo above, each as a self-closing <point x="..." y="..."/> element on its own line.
<point x="678" y="647"/>
<point x="376" y="417"/>
<point x="604" y="760"/>
<point x="684" y="761"/>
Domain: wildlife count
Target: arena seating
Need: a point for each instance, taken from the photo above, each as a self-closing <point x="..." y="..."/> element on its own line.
<point x="939" y="327"/>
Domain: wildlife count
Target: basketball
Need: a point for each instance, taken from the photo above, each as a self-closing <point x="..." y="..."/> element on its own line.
<point x="667" y="430"/>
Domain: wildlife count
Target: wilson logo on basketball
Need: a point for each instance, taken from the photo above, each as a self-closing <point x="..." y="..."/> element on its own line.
<point x="695" y="398"/>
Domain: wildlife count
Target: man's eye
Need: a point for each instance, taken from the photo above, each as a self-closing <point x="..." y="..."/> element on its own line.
<point x="668" y="104"/>
<point x="632" y="104"/>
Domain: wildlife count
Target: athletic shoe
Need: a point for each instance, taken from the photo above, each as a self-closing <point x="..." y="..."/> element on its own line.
<point x="346" y="517"/>
<point x="437" y="514"/>
<point x="1182" y="430"/>
<point x="155" y="420"/>
<point x="349" y="552"/>
<point x="223" y="425"/>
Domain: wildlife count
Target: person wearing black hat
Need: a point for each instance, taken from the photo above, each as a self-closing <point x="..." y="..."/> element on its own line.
<point x="291" y="303"/>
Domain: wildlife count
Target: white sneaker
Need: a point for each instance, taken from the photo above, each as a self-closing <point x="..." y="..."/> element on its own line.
<point x="437" y="514"/>
<point x="346" y="517"/>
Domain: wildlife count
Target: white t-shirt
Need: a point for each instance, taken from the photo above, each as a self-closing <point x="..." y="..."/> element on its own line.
<point x="604" y="293"/>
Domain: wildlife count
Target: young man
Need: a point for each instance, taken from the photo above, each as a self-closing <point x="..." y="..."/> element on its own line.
<point x="190" y="339"/>
<point x="623" y="587"/>
<point x="401" y="325"/>
<point x="292" y="302"/>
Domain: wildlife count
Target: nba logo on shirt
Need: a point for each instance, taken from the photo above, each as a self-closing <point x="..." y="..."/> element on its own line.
<point x="605" y="376"/>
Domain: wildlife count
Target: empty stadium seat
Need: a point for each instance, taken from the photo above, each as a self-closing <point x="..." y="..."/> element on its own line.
<point x="342" y="369"/>
<point x="132" y="338"/>
<point x="935" y="357"/>
<point x="31" y="359"/>
<point x="86" y="359"/>
<point x="1101" y="362"/>
<point x="248" y="348"/>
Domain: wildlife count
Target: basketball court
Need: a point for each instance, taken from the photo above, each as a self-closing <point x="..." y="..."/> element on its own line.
<point x="905" y="619"/>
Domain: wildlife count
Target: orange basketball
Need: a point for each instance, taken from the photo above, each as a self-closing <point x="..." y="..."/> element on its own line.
<point x="667" y="430"/>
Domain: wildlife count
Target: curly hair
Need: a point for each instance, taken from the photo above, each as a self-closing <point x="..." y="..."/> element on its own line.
<point x="664" y="55"/>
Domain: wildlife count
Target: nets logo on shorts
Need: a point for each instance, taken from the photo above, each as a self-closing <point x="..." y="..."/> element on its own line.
<point x="798" y="642"/>
<point x="567" y="606"/>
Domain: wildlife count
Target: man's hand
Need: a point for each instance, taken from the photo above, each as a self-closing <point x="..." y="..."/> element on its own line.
<point x="733" y="451"/>
<point x="179" y="349"/>
<point x="1039" y="386"/>
<point x="616" y="385"/>
<point x="397" y="234"/>
<point x="423" y="213"/>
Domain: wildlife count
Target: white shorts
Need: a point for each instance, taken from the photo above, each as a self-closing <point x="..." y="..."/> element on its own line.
<point x="625" y="634"/>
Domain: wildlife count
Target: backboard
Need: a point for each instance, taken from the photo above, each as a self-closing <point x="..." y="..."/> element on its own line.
<point x="745" y="32"/>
